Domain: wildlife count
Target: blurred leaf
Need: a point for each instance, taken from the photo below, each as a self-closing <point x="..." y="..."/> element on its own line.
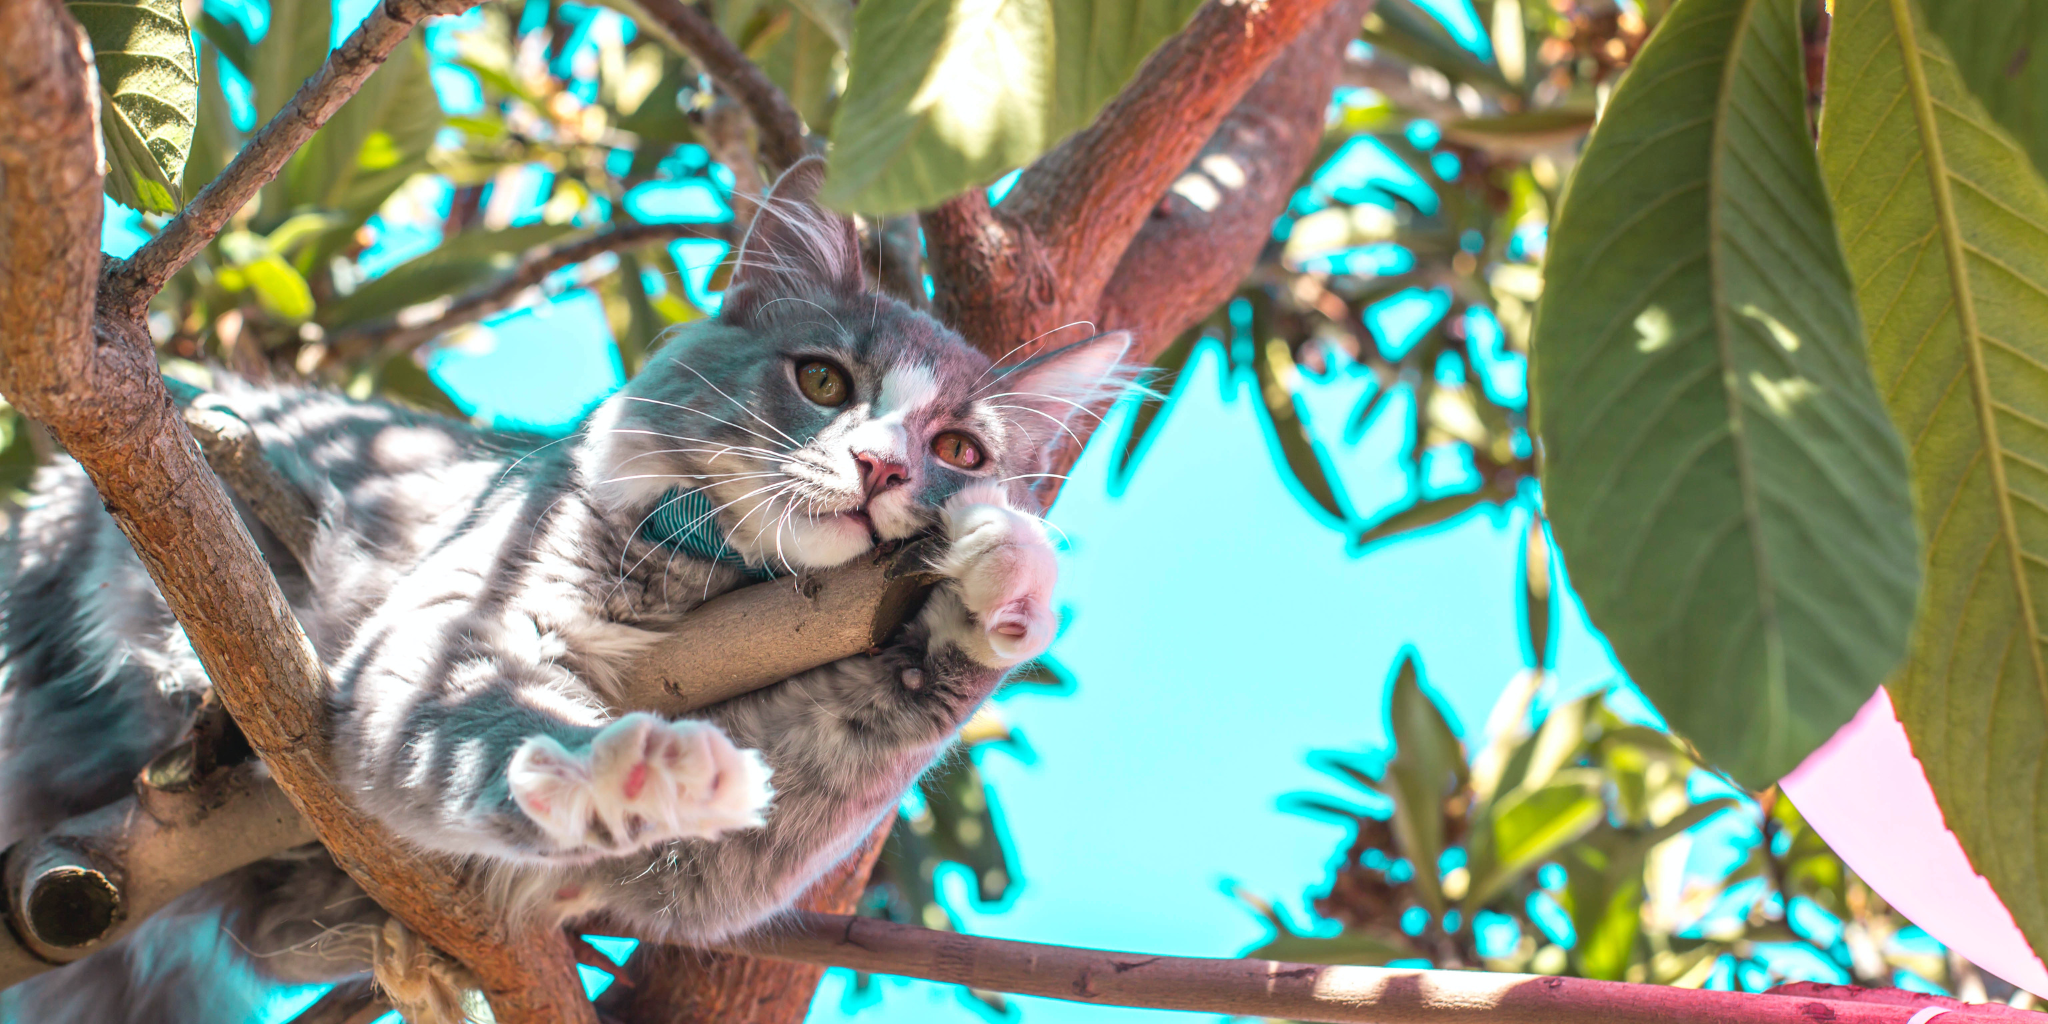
<point x="1427" y="769"/>
<point x="835" y="17"/>
<point x="1147" y="419"/>
<point x="17" y="453"/>
<point x="230" y="40"/>
<point x="149" y="96"/>
<point x="1424" y="514"/>
<point x="214" y="138"/>
<point x="402" y="378"/>
<point x="1729" y="498"/>
<point x="377" y="140"/>
<point x="1521" y="134"/>
<point x="1404" y="28"/>
<point x="1607" y="938"/>
<point x="465" y="261"/>
<point x="956" y="825"/>
<point x="1947" y="226"/>
<point x="799" y="60"/>
<point x="279" y="288"/>
<point x="657" y="118"/>
<point x="1993" y="43"/>
<point x="1536" y="578"/>
<point x="1286" y="425"/>
<point x="948" y="95"/>
<point x="1359" y="948"/>
<point x="1530" y="826"/>
<point x="293" y="49"/>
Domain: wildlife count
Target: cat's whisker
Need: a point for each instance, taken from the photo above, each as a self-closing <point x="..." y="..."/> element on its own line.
<point x="1051" y="398"/>
<point x="736" y="402"/>
<point x="708" y="416"/>
<point x="1021" y="346"/>
<point x="1056" y="421"/>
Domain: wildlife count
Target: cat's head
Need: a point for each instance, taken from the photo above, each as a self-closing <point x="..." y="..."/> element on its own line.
<point x="821" y="417"/>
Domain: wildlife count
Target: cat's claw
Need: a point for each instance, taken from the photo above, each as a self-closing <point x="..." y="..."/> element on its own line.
<point x="643" y="781"/>
<point x="1005" y="568"/>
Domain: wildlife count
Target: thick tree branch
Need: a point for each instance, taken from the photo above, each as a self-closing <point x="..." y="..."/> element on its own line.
<point x="133" y="282"/>
<point x="1198" y="240"/>
<point x="782" y="138"/>
<point x="1073" y="213"/>
<point x="414" y="326"/>
<point x="1303" y="992"/>
<point x="93" y="383"/>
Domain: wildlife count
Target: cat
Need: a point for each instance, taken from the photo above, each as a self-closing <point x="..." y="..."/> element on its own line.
<point x="476" y="598"/>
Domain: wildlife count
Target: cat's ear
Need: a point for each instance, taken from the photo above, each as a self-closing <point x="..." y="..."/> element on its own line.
<point x="795" y="248"/>
<point x="1043" y="395"/>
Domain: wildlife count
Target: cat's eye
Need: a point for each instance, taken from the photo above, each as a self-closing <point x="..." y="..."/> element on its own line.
<point x="822" y="382"/>
<point x="957" y="449"/>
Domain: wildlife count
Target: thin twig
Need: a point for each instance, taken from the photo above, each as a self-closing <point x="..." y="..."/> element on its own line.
<point x="781" y="128"/>
<point x="1303" y="992"/>
<point x="136" y="280"/>
<point x="416" y="325"/>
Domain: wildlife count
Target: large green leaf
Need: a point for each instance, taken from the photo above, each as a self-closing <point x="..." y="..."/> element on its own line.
<point x="945" y="95"/>
<point x="1531" y="825"/>
<point x="149" y="96"/>
<point x="1946" y="228"/>
<point x="1995" y="43"/>
<point x="1729" y="498"/>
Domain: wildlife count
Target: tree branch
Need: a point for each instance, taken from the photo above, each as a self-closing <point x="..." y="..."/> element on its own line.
<point x="133" y="282"/>
<point x="414" y="326"/>
<point x="1192" y="251"/>
<point x="1073" y="212"/>
<point x="1303" y="992"/>
<point x="93" y="383"/>
<point x="782" y="138"/>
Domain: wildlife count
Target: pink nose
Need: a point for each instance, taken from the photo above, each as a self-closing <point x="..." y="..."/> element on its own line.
<point x="878" y="474"/>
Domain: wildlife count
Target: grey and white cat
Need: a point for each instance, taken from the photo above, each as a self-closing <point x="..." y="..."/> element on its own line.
<point x="476" y="599"/>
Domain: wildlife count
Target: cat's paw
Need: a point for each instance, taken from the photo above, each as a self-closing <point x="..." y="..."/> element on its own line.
<point x="643" y="781"/>
<point x="1004" y="567"/>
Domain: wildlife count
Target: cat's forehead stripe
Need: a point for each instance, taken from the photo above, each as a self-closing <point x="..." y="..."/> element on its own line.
<point x="906" y="389"/>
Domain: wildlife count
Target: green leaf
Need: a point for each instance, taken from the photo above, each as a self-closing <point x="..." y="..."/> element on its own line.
<point x="1424" y="514"/>
<point x="1403" y="28"/>
<point x="402" y="378"/>
<point x="17" y="453"/>
<point x="945" y="95"/>
<point x="1946" y="226"/>
<point x="373" y="143"/>
<point x="1994" y="43"/>
<point x="229" y="39"/>
<point x="294" y="47"/>
<point x="1428" y="768"/>
<point x="1362" y="949"/>
<point x="835" y="17"/>
<point x="462" y="262"/>
<point x="1530" y="826"/>
<point x="1521" y="134"/>
<point x="1730" y="500"/>
<point x="279" y="288"/>
<point x="799" y="59"/>
<point x="149" y="96"/>
<point x="214" y="138"/>
<point x="1308" y="468"/>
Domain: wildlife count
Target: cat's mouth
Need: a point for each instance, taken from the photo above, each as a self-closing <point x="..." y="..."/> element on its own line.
<point x="859" y="517"/>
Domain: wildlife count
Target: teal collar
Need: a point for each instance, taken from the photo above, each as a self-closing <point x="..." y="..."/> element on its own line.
<point x="686" y="521"/>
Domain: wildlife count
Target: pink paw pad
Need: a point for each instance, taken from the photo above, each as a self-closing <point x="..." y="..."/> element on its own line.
<point x="641" y="782"/>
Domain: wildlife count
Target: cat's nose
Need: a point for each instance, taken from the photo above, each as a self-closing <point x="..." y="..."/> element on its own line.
<point x="878" y="474"/>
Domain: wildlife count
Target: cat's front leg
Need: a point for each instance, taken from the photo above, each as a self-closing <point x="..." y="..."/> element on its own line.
<point x="1002" y="568"/>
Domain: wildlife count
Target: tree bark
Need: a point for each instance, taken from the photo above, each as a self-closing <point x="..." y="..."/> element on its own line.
<point x="682" y="985"/>
<point x="1314" y="992"/>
